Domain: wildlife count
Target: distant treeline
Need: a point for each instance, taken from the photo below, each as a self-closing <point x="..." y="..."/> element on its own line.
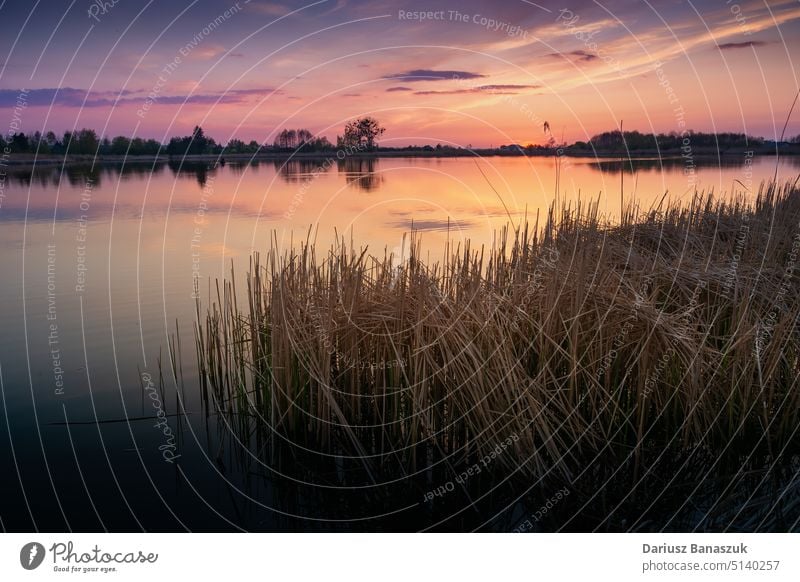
<point x="86" y="141"/>
<point x="359" y="134"/>
<point x="362" y="131"/>
<point x="634" y="140"/>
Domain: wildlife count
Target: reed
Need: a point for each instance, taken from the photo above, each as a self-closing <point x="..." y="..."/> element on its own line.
<point x="673" y="329"/>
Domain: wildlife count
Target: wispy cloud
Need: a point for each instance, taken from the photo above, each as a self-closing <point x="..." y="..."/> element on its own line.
<point x="432" y="75"/>
<point x="576" y="55"/>
<point x="69" y="97"/>
<point x="507" y="87"/>
<point x="210" y="51"/>
<point x="583" y="56"/>
<point x="396" y="89"/>
<point x="739" y="45"/>
<point x="445" y="92"/>
<point x="270" y="8"/>
<point x="586" y="27"/>
<point x="630" y="61"/>
<point x="277" y="9"/>
<point x="66" y="96"/>
<point x="494" y="89"/>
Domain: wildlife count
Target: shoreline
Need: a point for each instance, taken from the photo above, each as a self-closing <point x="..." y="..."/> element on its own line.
<point x="19" y="161"/>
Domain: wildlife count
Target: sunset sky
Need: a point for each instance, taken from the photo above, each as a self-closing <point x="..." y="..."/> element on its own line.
<point x="472" y="72"/>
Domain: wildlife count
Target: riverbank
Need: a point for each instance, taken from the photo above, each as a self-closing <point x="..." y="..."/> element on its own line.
<point x="22" y="161"/>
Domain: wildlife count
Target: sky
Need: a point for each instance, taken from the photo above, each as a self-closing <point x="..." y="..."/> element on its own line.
<point x="467" y="72"/>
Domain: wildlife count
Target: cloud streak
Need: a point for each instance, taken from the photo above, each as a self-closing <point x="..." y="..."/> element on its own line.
<point x="740" y="45"/>
<point x="580" y="55"/>
<point x="493" y="89"/>
<point x="69" y="97"/>
<point x="417" y="75"/>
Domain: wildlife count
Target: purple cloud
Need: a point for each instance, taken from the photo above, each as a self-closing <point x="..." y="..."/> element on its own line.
<point x="69" y="97"/>
<point x="507" y="87"/>
<point x="431" y="75"/>
<point x="738" y="45"/>
<point x="580" y="55"/>
<point x="494" y="89"/>
<point x="65" y="96"/>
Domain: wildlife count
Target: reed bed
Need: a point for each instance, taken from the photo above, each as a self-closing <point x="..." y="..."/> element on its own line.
<point x="671" y="330"/>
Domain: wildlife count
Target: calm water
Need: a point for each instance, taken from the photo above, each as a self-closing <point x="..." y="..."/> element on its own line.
<point x="98" y="270"/>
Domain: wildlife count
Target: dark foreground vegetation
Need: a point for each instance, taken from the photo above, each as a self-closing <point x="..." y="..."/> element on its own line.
<point x="647" y="369"/>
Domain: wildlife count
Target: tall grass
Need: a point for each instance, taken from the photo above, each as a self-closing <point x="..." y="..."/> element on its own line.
<point x="673" y="329"/>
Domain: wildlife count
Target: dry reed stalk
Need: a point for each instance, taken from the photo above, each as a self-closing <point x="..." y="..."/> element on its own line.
<point x="575" y="336"/>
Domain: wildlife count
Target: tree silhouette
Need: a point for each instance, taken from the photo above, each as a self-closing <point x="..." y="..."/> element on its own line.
<point x="361" y="133"/>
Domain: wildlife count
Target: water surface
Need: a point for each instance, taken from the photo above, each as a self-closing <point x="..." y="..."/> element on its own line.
<point x="100" y="266"/>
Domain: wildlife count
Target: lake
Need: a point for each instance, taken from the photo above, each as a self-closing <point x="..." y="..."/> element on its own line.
<point x="101" y="267"/>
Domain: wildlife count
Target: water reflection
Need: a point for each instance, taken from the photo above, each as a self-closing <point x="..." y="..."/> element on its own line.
<point x="199" y="170"/>
<point x="632" y="166"/>
<point x="54" y="175"/>
<point x="296" y="170"/>
<point x="421" y="189"/>
<point x="361" y="173"/>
